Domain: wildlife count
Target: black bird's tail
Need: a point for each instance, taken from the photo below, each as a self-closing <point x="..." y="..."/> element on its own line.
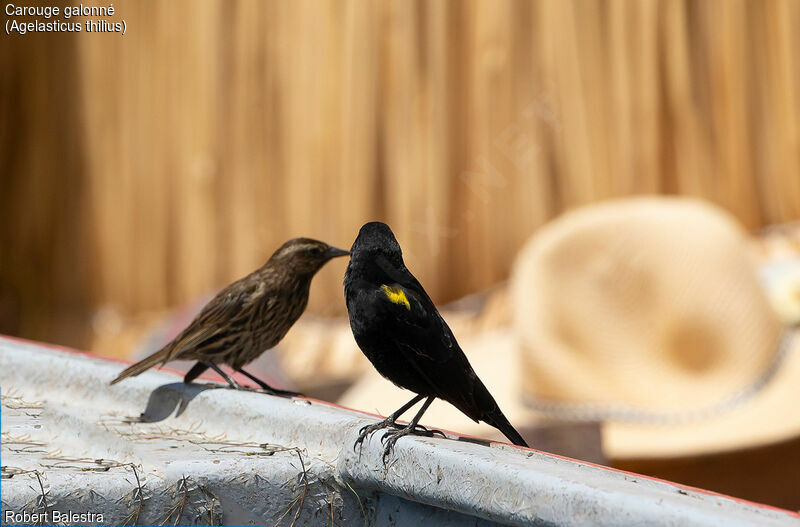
<point x="484" y="408"/>
<point x="499" y="421"/>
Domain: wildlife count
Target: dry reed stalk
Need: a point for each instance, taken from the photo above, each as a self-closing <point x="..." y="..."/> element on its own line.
<point x="184" y="152"/>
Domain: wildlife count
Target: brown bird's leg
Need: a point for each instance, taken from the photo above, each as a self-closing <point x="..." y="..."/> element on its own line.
<point x="196" y="371"/>
<point x="266" y="387"/>
<point x="389" y="421"/>
<point x="390" y="437"/>
<point x="233" y="384"/>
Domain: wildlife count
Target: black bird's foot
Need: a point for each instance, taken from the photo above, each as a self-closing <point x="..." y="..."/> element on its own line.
<point x="427" y="432"/>
<point x="390" y="437"/>
<point x="397" y="431"/>
<point x="367" y="430"/>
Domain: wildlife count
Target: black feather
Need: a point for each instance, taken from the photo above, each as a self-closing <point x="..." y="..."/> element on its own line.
<point x="408" y="341"/>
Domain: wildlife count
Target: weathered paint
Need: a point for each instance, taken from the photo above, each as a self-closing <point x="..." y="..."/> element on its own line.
<point x="210" y="455"/>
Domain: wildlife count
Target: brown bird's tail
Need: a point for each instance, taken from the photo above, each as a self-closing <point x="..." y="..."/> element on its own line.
<point x="160" y="356"/>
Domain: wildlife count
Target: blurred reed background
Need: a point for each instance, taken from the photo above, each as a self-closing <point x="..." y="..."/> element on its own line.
<point x="141" y="171"/>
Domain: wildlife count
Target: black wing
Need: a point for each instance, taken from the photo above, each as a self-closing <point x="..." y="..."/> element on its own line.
<point x="428" y="346"/>
<point x="419" y="333"/>
<point x="424" y="331"/>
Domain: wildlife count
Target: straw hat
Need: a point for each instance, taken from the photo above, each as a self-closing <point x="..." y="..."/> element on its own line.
<point x="647" y="314"/>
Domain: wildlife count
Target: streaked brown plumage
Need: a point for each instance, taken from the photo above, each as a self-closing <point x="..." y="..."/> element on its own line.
<point x="249" y="316"/>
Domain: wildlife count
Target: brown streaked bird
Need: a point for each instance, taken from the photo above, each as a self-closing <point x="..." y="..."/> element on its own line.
<point x="248" y="317"/>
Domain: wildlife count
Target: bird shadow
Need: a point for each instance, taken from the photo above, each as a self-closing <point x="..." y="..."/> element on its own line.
<point x="170" y="398"/>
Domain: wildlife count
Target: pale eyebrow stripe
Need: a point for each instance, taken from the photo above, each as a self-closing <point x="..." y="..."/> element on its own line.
<point x="295" y="248"/>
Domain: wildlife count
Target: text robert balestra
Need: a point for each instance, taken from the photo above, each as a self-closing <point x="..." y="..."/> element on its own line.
<point x="52" y="517"/>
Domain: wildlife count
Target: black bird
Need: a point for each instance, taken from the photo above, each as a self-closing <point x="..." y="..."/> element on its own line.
<point x="401" y="332"/>
<point x="248" y="317"/>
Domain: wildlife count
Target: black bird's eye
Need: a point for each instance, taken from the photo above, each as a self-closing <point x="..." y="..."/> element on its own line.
<point x="315" y="251"/>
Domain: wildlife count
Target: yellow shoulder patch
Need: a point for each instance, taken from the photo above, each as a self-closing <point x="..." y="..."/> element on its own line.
<point x="396" y="295"/>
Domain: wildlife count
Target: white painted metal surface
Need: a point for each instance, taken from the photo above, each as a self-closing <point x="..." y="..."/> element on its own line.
<point x="71" y="443"/>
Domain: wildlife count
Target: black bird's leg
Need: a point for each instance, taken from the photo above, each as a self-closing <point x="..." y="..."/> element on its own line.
<point x="266" y="387"/>
<point x="233" y="384"/>
<point x="196" y="371"/>
<point x="389" y="421"/>
<point x="390" y="437"/>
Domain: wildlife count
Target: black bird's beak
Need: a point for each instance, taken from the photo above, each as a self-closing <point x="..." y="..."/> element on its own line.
<point x="335" y="252"/>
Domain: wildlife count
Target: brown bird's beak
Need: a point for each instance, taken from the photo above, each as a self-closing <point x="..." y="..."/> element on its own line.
<point x="335" y="252"/>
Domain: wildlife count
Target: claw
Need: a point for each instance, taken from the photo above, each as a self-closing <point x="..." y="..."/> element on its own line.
<point x="429" y="432"/>
<point x="368" y="429"/>
<point x="395" y="432"/>
<point x="362" y="430"/>
<point x="390" y="438"/>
